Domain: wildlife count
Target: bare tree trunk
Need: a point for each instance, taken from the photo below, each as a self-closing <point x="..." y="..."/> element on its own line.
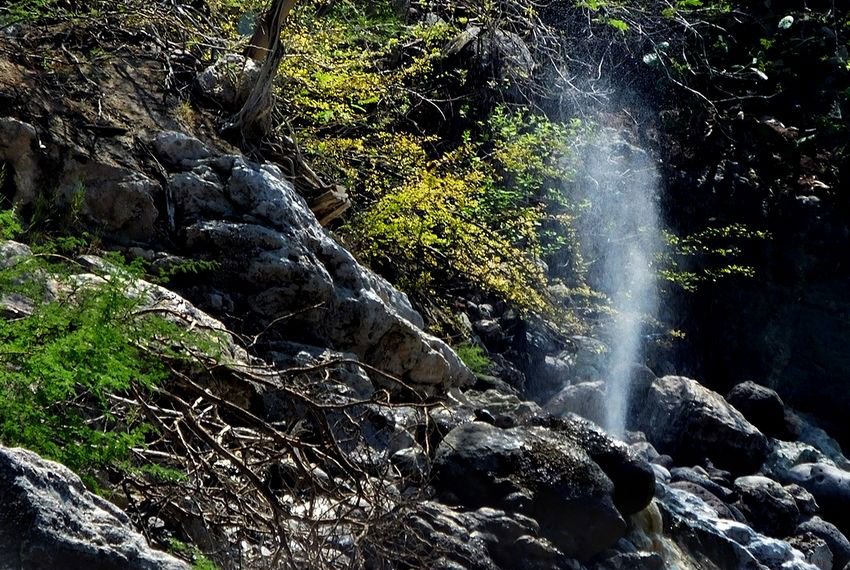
<point x="268" y="30"/>
<point x="254" y="119"/>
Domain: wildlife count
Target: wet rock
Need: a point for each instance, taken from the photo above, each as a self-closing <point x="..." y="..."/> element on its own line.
<point x="703" y="480"/>
<point x="785" y="455"/>
<point x="815" y="549"/>
<point x="49" y="520"/>
<point x="532" y="471"/>
<point x="483" y="539"/>
<point x="725" y="543"/>
<point x="633" y="477"/>
<point x="691" y="423"/>
<point x="769" y="508"/>
<point x="837" y="542"/>
<point x="763" y="408"/>
<point x="723" y="510"/>
<point x="830" y="486"/>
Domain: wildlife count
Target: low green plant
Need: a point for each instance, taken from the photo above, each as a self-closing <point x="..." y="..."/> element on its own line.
<point x="83" y="341"/>
<point x="474" y="357"/>
<point x="191" y="553"/>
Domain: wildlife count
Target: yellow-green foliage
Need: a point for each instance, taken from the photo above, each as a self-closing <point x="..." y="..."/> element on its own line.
<point x="428" y="207"/>
<point x="709" y="255"/>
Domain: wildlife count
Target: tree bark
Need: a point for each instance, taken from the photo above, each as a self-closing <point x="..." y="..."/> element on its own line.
<point x="254" y="119"/>
<point x="268" y="30"/>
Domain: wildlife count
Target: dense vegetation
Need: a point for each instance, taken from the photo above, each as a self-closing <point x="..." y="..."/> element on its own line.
<point x="460" y="131"/>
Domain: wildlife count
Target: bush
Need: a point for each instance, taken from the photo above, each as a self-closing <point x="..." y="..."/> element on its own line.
<point x="84" y="341"/>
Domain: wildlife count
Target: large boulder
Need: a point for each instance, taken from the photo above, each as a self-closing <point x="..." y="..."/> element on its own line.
<point x="763" y="407"/>
<point x="686" y="420"/>
<point x="769" y="508"/>
<point x="533" y="471"/>
<point x="830" y="486"/>
<point x="49" y="520"/>
<point x="632" y="476"/>
<point x="279" y="261"/>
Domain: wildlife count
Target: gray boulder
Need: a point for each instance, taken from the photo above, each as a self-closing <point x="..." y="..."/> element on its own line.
<point x="686" y="420"/>
<point x="532" y="471"/>
<point x="49" y="520"/>
<point x="271" y="249"/>
<point x="837" y="542"/>
<point x="769" y="508"/>
<point x="830" y="486"/>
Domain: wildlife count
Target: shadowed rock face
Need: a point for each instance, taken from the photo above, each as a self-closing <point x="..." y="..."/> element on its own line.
<point x="536" y="472"/>
<point x="49" y="520"/>
<point x="684" y="419"/>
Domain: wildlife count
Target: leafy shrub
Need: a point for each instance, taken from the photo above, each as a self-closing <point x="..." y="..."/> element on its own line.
<point x="84" y="341"/>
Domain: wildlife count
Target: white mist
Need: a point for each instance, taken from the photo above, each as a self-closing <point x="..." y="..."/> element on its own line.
<point x="620" y="236"/>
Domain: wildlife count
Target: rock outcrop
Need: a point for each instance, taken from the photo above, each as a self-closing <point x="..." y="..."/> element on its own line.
<point x="272" y="252"/>
<point x="49" y="520"/>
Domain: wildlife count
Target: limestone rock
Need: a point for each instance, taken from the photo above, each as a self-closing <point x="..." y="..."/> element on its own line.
<point x="50" y="520"/>
<point x="285" y="260"/>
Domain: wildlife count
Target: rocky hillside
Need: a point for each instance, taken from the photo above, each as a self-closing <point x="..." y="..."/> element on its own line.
<point x="371" y="327"/>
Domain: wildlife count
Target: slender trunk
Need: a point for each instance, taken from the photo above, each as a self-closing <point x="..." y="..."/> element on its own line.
<point x="254" y="119"/>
